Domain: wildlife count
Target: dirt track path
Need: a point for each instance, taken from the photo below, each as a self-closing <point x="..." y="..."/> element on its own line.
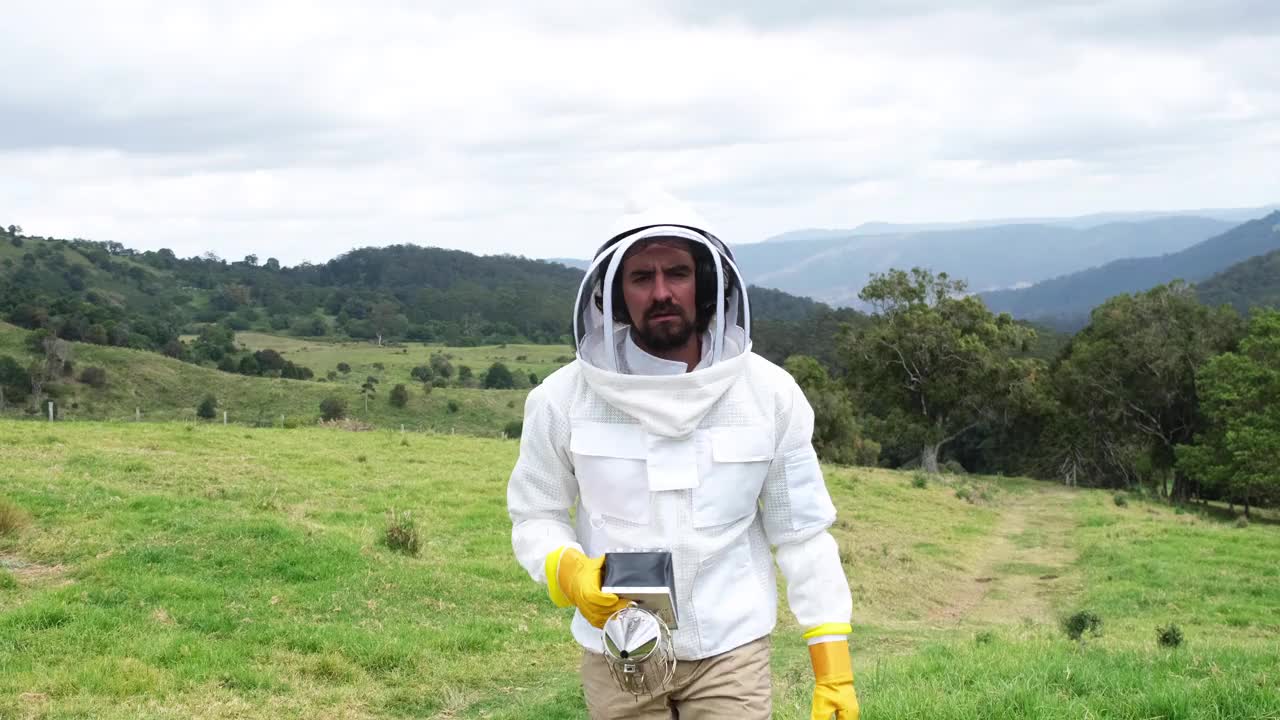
<point x="1025" y="567"/>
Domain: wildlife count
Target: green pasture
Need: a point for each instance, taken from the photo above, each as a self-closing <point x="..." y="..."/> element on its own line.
<point x="178" y="570"/>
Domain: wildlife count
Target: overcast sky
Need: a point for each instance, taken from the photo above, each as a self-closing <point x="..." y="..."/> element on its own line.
<point x="299" y="131"/>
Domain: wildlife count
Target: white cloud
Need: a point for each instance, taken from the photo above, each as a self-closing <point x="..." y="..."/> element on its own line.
<point x="299" y="131"/>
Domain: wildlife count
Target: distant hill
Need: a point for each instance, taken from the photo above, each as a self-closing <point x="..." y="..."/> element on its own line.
<point x="1252" y="283"/>
<point x="107" y="294"/>
<point x="1227" y="215"/>
<point x="834" y="270"/>
<point x="1066" y="301"/>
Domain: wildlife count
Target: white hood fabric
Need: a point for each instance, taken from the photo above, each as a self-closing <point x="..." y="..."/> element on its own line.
<point x="715" y="465"/>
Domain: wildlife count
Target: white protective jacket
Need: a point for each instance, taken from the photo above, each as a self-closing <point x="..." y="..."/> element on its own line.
<point x="715" y="465"/>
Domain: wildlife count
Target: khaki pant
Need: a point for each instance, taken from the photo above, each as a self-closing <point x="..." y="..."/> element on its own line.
<point x="736" y="685"/>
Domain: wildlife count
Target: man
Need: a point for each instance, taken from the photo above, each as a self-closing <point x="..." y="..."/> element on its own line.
<point x="667" y="432"/>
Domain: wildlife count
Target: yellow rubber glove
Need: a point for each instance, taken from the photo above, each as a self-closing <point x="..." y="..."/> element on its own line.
<point x="574" y="579"/>
<point x="833" y="694"/>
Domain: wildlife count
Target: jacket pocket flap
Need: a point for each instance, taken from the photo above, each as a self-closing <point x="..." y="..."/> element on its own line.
<point x="608" y="440"/>
<point x="752" y="443"/>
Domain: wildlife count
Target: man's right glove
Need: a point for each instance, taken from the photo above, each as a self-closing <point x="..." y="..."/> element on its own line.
<point x="574" y="579"/>
<point x="833" y="693"/>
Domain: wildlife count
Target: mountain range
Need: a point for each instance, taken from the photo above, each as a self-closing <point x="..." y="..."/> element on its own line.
<point x="1065" y="301"/>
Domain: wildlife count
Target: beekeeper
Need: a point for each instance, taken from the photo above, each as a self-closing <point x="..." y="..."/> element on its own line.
<point x="668" y="433"/>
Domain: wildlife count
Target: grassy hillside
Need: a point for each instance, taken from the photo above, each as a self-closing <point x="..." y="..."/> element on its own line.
<point x="166" y="389"/>
<point x="170" y="571"/>
<point x="398" y="360"/>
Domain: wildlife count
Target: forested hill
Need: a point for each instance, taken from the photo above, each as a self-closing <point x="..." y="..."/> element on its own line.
<point x="108" y="294"/>
<point x="1066" y="300"/>
<point x="1252" y="283"/>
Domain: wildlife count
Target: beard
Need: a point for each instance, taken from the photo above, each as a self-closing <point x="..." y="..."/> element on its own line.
<point x="670" y="333"/>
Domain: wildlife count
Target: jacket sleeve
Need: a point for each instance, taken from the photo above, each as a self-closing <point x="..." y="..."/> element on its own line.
<point x="542" y="488"/>
<point x="797" y="514"/>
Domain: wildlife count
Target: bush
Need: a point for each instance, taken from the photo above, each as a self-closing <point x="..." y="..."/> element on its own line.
<point x="12" y="518"/>
<point x="953" y="467"/>
<point x="533" y="380"/>
<point x="1121" y="500"/>
<point x="421" y="373"/>
<point x="498" y="377"/>
<point x="94" y="377"/>
<point x="399" y="396"/>
<point x="344" y="368"/>
<point x="1169" y="636"/>
<point x="453" y="406"/>
<point x="333" y="408"/>
<point x="208" y="408"/>
<point x="513" y="428"/>
<point x="401" y="534"/>
<point x="919" y="480"/>
<point x="1242" y="522"/>
<point x="1080" y="623"/>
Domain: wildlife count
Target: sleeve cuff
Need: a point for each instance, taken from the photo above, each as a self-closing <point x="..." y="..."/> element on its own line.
<point x="552" y="567"/>
<point x="826" y="629"/>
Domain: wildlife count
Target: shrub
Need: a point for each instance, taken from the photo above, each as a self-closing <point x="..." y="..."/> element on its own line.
<point x="94" y="377"/>
<point x="333" y="408"/>
<point x="1078" y="624"/>
<point x="344" y="368"/>
<point x="533" y="379"/>
<point x="422" y="373"/>
<point x="1121" y="500"/>
<point x="427" y="388"/>
<point x="1242" y="522"/>
<point x="986" y="637"/>
<point x="399" y="396"/>
<point x="919" y="480"/>
<point x="1169" y="636"/>
<point x="953" y="467"/>
<point x="12" y="518"/>
<point x="208" y="408"/>
<point x="7" y="581"/>
<point x="379" y="366"/>
<point x="362" y="458"/>
<point x="401" y="534"/>
<point x="513" y="428"/>
<point x="453" y="406"/>
<point x="964" y="493"/>
<point x="498" y="377"/>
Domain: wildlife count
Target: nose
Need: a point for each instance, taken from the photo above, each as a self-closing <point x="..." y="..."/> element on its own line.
<point x="661" y="290"/>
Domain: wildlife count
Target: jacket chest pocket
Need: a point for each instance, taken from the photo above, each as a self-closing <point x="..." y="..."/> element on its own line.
<point x="609" y="462"/>
<point x="731" y="474"/>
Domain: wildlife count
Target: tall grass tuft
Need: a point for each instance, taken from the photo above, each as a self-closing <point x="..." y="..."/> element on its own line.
<point x="401" y="534"/>
<point x="12" y="518"/>
<point x="1078" y="624"/>
<point x="1169" y="636"/>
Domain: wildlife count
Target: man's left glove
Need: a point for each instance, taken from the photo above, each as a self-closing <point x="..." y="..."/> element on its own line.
<point x="833" y="694"/>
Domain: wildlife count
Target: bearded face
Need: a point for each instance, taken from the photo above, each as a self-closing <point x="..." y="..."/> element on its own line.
<point x="660" y="288"/>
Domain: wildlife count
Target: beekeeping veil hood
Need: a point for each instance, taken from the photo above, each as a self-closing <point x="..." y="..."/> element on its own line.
<point x="667" y="405"/>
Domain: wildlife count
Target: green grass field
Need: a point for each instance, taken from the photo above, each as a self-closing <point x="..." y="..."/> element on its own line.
<point x="161" y="388"/>
<point x="168" y="570"/>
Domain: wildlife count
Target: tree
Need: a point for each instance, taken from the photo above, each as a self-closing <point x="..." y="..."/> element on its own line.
<point x="367" y="389"/>
<point x="344" y="368"/>
<point x="1235" y="455"/>
<point x="399" y="395"/>
<point x="333" y="408"/>
<point x="932" y="362"/>
<point x="498" y="377"/>
<point x="208" y="408"/>
<point x="836" y="435"/>
<point x="441" y="366"/>
<point x="272" y="264"/>
<point x="422" y="373"/>
<point x="94" y="377"/>
<point x="1128" y="381"/>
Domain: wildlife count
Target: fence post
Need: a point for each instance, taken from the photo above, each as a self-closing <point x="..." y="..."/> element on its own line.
<point x="50" y="411"/>
<point x="224" y="417"/>
<point x="137" y="414"/>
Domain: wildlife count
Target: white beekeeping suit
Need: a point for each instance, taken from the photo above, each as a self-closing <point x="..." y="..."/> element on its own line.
<point x="715" y="465"/>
